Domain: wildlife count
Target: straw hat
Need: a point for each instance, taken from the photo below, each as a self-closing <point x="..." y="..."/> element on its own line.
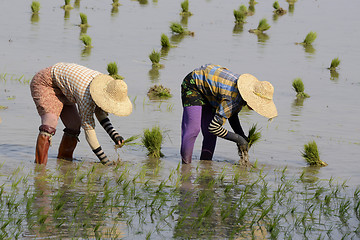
<point x="257" y="94"/>
<point x="110" y="95"/>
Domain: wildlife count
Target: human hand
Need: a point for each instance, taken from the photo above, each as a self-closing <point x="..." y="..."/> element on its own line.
<point x="241" y="143"/>
<point x="119" y="140"/>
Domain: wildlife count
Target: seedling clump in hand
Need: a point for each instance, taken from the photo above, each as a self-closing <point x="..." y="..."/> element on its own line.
<point x="299" y="88"/>
<point x="311" y="154"/>
<point x="113" y="71"/>
<point x="253" y="137"/>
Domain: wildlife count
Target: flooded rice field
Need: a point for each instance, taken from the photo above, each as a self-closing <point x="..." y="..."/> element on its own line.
<point x="149" y="198"/>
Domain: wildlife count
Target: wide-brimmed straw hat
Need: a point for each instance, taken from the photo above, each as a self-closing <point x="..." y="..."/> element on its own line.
<point x="111" y="95"/>
<point x="257" y="94"/>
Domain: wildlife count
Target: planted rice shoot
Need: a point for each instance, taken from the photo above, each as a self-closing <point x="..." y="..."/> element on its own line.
<point x="165" y="42"/>
<point x="240" y="14"/>
<point x="309" y="39"/>
<point x="334" y="64"/>
<point x="159" y="91"/>
<point x="263" y="26"/>
<point x="155" y="58"/>
<point x="185" y="8"/>
<point x="113" y="70"/>
<point x="86" y="39"/>
<point x="67" y="5"/>
<point x="311" y="154"/>
<point x="299" y="88"/>
<point x="116" y="3"/>
<point x="177" y="28"/>
<point x="35" y="7"/>
<point x="278" y="10"/>
<point x="84" y="21"/>
<point x="152" y="140"/>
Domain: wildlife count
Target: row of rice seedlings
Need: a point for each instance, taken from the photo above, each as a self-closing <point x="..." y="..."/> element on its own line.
<point x="112" y="69"/>
<point x="114" y="196"/>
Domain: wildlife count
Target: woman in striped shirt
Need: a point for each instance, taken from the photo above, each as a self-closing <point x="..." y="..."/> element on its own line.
<point x="212" y="94"/>
<point x="75" y="93"/>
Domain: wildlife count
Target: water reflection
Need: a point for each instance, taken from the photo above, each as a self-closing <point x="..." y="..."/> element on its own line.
<point x="184" y="20"/>
<point x="66" y="14"/>
<point x="114" y="10"/>
<point x="85" y="53"/>
<point x="154" y="74"/>
<point x="309" y="49"/>
<point x="262" y="37"/>
<point x="291" y="5"/>
<point x="334" y="75"/>
<point x="251" y="9"/>
<point x="177" y="38"/>
<point x="34" y="18"/>
<point x="309" y="174"/>
<point x="77" y="4"/>
<point x="238" y="28"/>
<point x="83" y="30"/>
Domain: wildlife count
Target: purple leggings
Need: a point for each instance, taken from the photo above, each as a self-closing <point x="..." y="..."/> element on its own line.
<point x="194" y="118"/>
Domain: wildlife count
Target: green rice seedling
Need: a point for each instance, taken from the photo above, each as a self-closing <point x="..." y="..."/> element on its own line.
<point x="116" y="3"/>
<point x="113" y="70"/>
<point x="309" y="39"/>
<point x="176" y="28"/>
<point x="311" y="154"/>
<point x="165" y="42"/>
<point x="155" y="58"/>
<point x="263" y="26"/>
<point x="152" y="140"/>
<point x="299" y="88"/>
<point x="278" y="10"/>
<point x="35" y="7"/>
<point x="128" y="141"/>
<point x="159" y="91"/>
<point x="84" y="21"/>
<point x="240" y="14"/>
<point x="86" y="39"/>
<point x="185" y="8"/>
<point x="334" y="64"/>
<point x="67" y="5"/>
<point x="254" y="135"/>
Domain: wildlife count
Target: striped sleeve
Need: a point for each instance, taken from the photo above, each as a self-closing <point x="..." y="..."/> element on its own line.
<point x="115" y="136"/>
<point x="216" y="127"/>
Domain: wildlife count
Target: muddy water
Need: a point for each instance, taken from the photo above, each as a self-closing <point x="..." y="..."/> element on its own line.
<point x="330" y="116"/>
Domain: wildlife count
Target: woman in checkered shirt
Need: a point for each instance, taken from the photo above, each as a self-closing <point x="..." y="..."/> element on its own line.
<point x="211" y="94"/>
<point x="75" y="93"/>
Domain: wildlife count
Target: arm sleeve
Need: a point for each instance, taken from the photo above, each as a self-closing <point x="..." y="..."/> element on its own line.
<point x="236" y="126"/>
<point x="106" y="124"/>
<point x="91" y="138"/>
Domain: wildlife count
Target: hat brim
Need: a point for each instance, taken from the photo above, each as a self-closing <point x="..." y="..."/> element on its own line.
<point x="101" y="98"/>
<point x="263" y="106"/>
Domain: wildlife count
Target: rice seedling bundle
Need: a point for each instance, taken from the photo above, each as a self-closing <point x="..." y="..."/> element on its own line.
<point x="155" y="58"/>
<point x="152" y="140"/>
<point x="84" y="21"/>
<point x="113" y="70"/>
<point x="299" y="88"/>
<point x="263" y="26"/>
<point x="185" y="8"/>
<point x="311" y="154"/>
<point x="334" y="64"/>
<point x="159" y="91"/>
<point x="176" y="28"/>
<point x="165" y="42"/>
<point x="310" y="38"/>
<point x="35" y="7"/>
<point x="86" y="39"/>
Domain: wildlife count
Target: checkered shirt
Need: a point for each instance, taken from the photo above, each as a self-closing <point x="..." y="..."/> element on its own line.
<point x="74" y="82"/>
<point x="219" y="86"/>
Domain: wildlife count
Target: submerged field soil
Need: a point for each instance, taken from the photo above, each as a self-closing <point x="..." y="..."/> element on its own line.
<point x="127" y="35"/>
